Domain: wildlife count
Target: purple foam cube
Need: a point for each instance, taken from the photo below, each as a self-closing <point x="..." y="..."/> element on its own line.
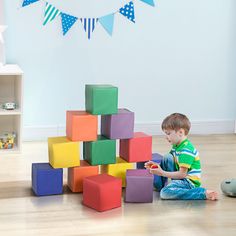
<point x="118" y="126"/>
<point x="139" y="186"/>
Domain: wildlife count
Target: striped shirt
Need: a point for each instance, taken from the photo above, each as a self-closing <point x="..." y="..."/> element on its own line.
<point x="185" y="155"/>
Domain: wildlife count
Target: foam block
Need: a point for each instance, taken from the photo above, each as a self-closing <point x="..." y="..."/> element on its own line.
<point x="156" y="157"/>
<point x="100" y="152"/>
<point x="101" y="99"/>
<point x="136" y="149"/>
<point x="46" y="180"/>
<point x="77" y="174"/>
<point x="118" y="170"/>
<point x="63" y="153"/>
<point x="118" y="126"/>
<point x="102" y="192"/>
<point x="81" y="126"/>
<point x="139" y="186"/>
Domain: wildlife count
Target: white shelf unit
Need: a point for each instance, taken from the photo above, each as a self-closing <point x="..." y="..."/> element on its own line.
<point x="11" y="90"/>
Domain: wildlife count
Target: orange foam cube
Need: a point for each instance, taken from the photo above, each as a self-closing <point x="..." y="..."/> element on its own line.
<point x="81" y="126"/>
<point x="77" y="174"/>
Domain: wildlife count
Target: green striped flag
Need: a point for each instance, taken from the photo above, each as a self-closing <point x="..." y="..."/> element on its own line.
<point x="50" y="13"/>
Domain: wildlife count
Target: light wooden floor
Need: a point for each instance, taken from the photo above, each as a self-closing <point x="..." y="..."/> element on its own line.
<point x="21" y="213"/>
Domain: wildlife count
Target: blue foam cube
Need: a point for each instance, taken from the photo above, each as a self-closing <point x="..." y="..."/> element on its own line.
<point x="156" y="157"/>
<point x="46" y="180"/>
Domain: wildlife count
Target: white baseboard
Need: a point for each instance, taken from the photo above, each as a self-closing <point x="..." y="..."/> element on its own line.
<point x="199" y="127"/>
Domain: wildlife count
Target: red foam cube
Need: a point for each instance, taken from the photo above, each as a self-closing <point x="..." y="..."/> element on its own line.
<point x="136" y="149"/>
<point x="102" y="192"/>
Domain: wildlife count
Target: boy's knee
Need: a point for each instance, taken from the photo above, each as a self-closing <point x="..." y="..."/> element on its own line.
<point x="164" y="193"/>
<point x="168" y="163"/>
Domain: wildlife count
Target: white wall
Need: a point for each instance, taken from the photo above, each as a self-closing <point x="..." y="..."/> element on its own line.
<point x="2" y="48"/>
<point x="178" y="57"/>
<point x="1" y="12"/>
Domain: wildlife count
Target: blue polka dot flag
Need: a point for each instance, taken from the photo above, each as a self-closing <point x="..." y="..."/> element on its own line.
<point x="28" y="2"/>
<point x="67" y="22"/>
<point x="128" y="11"/>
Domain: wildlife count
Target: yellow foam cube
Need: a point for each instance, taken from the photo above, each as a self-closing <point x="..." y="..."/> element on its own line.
<point x="63" y="153"/>
<point x="118" y="170"/>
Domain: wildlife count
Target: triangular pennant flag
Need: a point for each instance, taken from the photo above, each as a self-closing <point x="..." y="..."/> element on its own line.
<point x="89" y="25"/>
<point x="107" y="22"/>
<point x="149" y="2"/>
<point x="128" y="11"/>
<point x="67" y="22"/>
<point x="28" y="2"/>
<point x="50" y="13"/>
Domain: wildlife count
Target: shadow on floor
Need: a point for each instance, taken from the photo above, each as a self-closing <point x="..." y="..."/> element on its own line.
<point x="15" y="189"/>
<point x="19" y="189"/>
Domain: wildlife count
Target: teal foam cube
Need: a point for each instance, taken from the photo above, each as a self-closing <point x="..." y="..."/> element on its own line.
<point x="101" y="99"/>
<point x="100" y="152"/>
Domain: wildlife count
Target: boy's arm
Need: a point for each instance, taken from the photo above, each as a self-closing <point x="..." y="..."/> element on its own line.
<point x="180" y="174"/>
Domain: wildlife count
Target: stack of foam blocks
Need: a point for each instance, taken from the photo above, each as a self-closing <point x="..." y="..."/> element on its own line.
<point x="101" y="187"/>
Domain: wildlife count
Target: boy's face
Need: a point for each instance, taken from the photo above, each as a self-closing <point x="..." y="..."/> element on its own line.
<point x="174" y="137"/>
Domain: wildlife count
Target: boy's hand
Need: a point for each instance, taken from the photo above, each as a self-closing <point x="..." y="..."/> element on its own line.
<point x="148" y="164"/>
<point x="156" y="171"/>
<point x="154" y="166"/>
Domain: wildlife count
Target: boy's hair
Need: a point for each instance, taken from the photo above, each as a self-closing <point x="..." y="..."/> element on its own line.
<point x="175" y="122"/>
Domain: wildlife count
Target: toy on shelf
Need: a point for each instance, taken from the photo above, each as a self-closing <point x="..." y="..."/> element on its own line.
<point x="7" y="140"/>
<point x="9" y="106"/>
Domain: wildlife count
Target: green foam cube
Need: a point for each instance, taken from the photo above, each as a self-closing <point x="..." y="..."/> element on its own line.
<point x="100" y="152"/>
<point x="101" y="99"/>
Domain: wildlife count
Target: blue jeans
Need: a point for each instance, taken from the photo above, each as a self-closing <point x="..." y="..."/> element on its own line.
<point x="176" y="189"/>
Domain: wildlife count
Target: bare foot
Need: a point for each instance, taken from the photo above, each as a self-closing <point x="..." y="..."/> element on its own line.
<point x="211" y="195"/>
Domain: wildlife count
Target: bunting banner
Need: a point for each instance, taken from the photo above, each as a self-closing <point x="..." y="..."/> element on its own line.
<point x="67" y="22"/>
<point x="149" y="2"/>
<point x="50" y="13"/>
<point x="107" y="23"/>
<point x="88" y="23"/>
<point x="28" y="2"/>
<point x="128" y="11"/>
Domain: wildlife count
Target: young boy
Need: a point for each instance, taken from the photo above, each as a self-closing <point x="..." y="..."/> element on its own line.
<point x="182" y="164"/>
